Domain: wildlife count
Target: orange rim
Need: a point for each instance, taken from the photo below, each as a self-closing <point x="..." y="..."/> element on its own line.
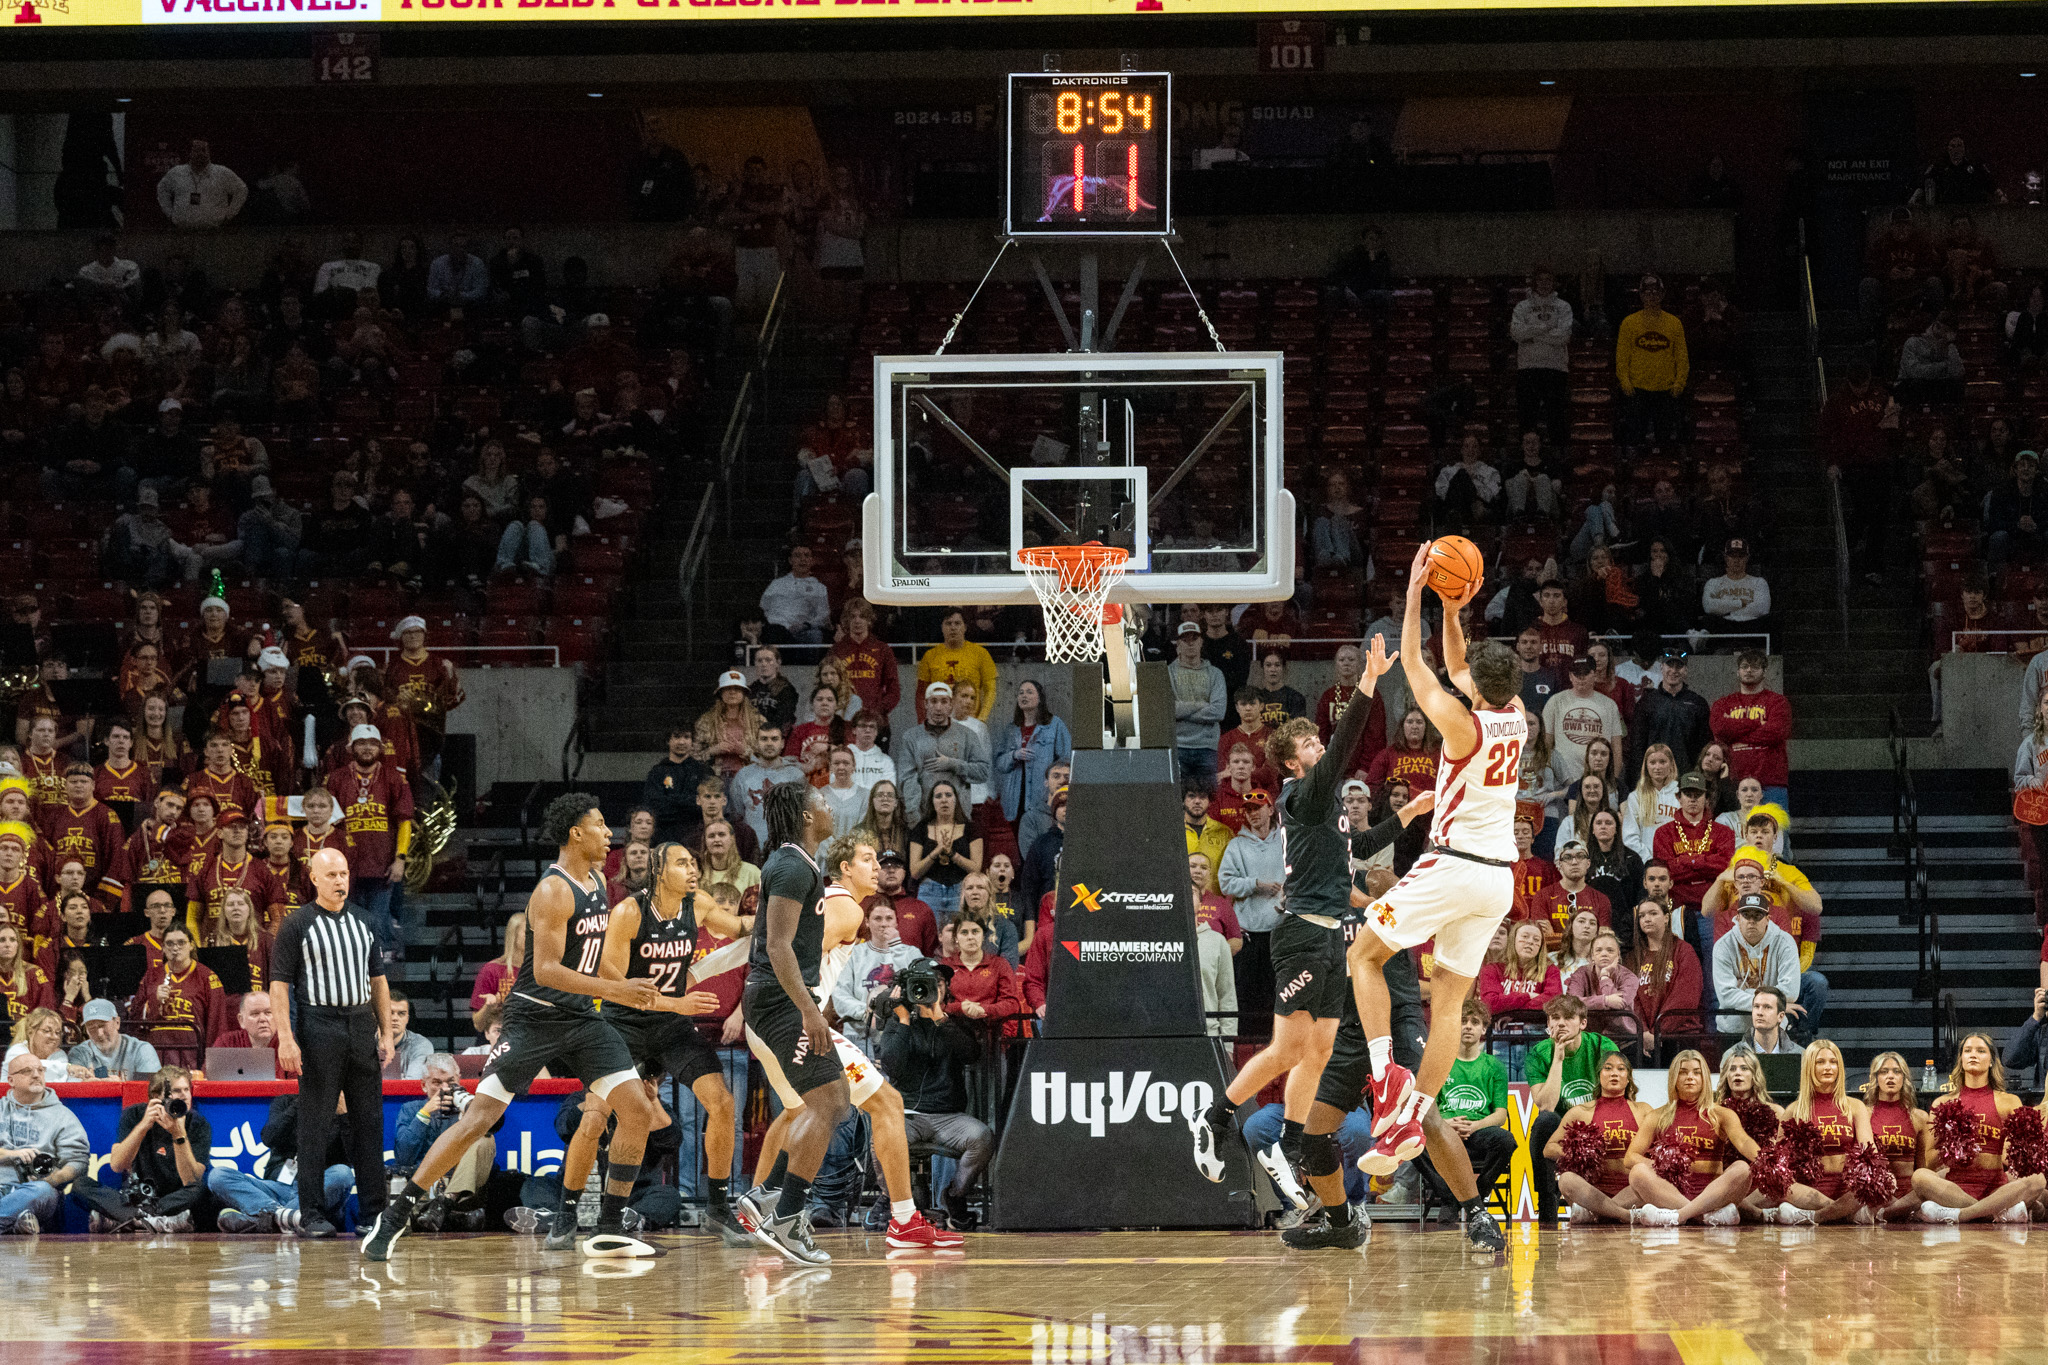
<point x="1079" y="566"/>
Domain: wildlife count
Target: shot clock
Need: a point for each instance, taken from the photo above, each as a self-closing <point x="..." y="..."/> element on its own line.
<point x="1088" y="154"/>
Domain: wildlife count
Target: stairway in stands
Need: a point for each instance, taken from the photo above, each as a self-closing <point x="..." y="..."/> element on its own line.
<point x="1841" y="688"/>
<point x="654" y="677"/>
<point x="1841" y="832"/>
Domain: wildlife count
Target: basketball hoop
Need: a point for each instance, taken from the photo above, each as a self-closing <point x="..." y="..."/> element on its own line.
<point x="1073" y="583"/>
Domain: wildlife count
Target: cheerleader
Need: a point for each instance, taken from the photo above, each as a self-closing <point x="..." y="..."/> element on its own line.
<point x="1618" y="1116"/>
<point x="1710" y="1186"/>
<point x="1895" y="1122"/>
<point x="1841" y="1119"/>
<point x="1981" y="1189"/>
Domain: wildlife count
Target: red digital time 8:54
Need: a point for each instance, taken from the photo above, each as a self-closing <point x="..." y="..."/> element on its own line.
<point x="1088" y="154"/>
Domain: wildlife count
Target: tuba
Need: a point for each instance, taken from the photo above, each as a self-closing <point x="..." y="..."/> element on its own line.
<point x="436" y="822"/>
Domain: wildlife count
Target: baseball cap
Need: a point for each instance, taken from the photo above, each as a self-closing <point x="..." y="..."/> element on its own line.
<point x="890" y="855"/>
<point x="1736" y="546"/>
<point x="148" y="497"/>
<point x="1581" y="664"/>
<point x="1570" y="846"/>
<point x="235" y="815"/>
<point x="597" y="320"/>
<point x="1188" y="628"/>
<point x="1754" y="905"/>
<point x="170" y="405"/>
<point x="1677" y="654"/>
<point x="732" y="677"/>
<point x="362" y="732"/>
<point x="2026" y="455"/>
<point x="937" y="689"/>
<point x="260" y="487"/>
<point x="1354" y="785"/>
<point x="1692" y="782"/>
<point x="99" y="1010"/>
<point x="347" y="702"/>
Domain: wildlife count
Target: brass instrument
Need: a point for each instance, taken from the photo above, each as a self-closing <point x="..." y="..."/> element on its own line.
<point x="433" y="826"/>
<point x="19" y="682"/>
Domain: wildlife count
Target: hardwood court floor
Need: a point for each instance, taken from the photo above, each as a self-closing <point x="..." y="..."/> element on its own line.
<point x="1608" y="1296"/>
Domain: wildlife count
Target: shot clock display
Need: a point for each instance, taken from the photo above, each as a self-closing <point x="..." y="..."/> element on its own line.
<point x="1088" y="154"/>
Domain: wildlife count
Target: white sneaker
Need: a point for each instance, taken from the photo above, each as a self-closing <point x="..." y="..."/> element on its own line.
<point x="27" y="1225"/>
<point x="1931" y="1212"/>
<point x="1791" y="1215"/>
<point x="1727" y="1216"/>
<point x="1580" y="1214"/>
<point x="2016" y="1214"/>
<point x="1275" y="1163"/>
<point x="1866" y="1217"/>
<point x="1207" y="1162"/>
<point x="1770" y="1213"/>
<point x="1650" y="1216"/>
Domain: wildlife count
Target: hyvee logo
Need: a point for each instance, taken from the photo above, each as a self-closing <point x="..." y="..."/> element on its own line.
<point x="1093" y="900"/>
<point x="1132" y="950"/>
<point x="1097" y="1104"/>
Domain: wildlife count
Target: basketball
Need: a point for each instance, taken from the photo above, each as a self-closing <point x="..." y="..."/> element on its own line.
<point x="1455" y="565"/>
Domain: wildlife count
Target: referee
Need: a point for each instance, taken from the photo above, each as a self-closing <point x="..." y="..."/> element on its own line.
<point x="330" y="956"/>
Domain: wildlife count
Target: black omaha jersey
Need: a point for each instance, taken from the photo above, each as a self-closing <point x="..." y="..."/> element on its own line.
<point x="1315" y="833"/>
<point x="790" y="873"/>
<point x="582" y="947"/>
<point x="661" y="952"/>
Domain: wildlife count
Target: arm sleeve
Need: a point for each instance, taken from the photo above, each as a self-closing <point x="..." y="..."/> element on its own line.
<point x="1366" y="842"/>
<point x="1320" y="787"/>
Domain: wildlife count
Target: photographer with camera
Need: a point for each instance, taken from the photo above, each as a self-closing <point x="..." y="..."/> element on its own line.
<point x="926" y="1052"/>
<point x="161" y="1157"/>
<point x="857" y="996"/>
<point x="459" y="1205"/>
<point x="43" y="1148"/>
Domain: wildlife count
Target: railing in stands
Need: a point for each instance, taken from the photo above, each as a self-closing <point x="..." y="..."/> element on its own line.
<point x="1920" y="912"/>
<point x="691" y="565"/>
<point x="526" y="653"/>
<point x="1820" y="392"/>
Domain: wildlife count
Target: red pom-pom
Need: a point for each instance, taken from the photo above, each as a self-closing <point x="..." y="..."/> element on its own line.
<point x="1955" y="1135"/>
<point x="2026" y="1142"/>
<point x="1869" y="1176"/>
<point x="1759" y="1120"/>
<point x="1669" y="1157"/>
<point x="1802" y="1139"/>
<point x="1771" y="1173"/>
<point x="1581" y="1149"/>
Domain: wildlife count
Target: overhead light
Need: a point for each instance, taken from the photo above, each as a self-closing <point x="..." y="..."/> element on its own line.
<point x="2026" y="75"/>
<point x="597" y="94"/>
<point x="1546" y="82"/>
<point x="129" y="99"/>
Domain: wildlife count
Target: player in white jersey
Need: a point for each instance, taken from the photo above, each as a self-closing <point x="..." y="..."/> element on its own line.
<point x="852" y="874"/>
<point x="1457" y="893"/>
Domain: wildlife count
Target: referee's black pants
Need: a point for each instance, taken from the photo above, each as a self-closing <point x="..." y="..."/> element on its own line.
<point x="339" y="1047"/>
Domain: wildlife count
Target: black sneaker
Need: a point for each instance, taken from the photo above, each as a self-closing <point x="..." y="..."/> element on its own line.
<point x="791" y="1236"/>
<point x="561" y="1231"/>
<point x="432" y="1216"/>
<point x="959" y="1212"/>
<point x="385" y="1230"/>
<point x="319" y="1229"/>
<point x="522" y="1219"/>
<point x="751" y="1209"/>
<point x="722" y="1222"/>
<point x="1481" y="1231"/>
<point x="1317" y="1232"/>
<point x="234" y="1220"/>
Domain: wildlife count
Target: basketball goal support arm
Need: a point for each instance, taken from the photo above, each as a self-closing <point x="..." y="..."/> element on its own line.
<point x="939" y="415"/>
<point x="1194" y="456"/>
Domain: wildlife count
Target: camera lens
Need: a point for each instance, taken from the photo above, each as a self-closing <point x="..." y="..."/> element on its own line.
<point x="177" y="1109"/>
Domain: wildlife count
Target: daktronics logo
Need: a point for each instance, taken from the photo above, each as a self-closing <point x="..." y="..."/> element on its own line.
<point x="1128" y="950"/>
<point x="1098" y="1104"/>
<point x="1092" y="900"/>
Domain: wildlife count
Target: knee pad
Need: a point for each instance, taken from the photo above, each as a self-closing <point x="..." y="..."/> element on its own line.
<point x="1320" y="1155"/>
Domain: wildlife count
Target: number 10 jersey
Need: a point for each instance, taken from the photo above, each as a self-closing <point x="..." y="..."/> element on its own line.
<point x="582" y="945"/>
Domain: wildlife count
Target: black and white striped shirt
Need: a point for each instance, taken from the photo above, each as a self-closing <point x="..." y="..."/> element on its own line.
<point x="327" y="958"/>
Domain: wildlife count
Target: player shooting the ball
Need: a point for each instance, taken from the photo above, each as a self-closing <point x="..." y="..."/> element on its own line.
<point x="1457" y="893"/>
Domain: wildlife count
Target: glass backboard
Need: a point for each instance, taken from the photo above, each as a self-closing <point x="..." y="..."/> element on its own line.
<point x="1175" y="456"/>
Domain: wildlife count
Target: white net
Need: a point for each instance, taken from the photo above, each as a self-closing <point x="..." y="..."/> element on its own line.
<point x="1073" y="583"/>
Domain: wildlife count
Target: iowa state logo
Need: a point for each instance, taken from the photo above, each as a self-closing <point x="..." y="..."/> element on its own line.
<point x="30" y="11"/>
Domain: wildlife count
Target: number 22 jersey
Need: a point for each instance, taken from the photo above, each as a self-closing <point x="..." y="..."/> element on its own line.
<point x="1475" y="795"/>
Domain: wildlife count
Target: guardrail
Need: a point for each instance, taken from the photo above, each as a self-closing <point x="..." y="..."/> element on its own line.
<point x="382" y="653"/>
<point x="1920" y="912"/>
<point x="692" y="563"/>
<point x="1955" y="638"/>
<point x="909" y="651"/>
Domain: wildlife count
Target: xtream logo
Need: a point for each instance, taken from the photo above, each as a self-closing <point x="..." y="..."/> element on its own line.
<point x="1097" y="1104"/>
<point x="1121" y="900"/>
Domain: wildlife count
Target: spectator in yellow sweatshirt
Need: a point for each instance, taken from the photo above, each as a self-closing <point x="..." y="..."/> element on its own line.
<point x="1650" y="363"/>
<point x="958" y="659"/>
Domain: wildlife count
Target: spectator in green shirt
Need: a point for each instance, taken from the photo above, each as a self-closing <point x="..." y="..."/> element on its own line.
<point x="1474" y="1104"/>
<point x="1562" y="1070"/>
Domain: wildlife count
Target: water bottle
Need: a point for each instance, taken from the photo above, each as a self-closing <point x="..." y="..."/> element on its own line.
<point x="591" y="1201"/>
<point x="1929" y="1082"/>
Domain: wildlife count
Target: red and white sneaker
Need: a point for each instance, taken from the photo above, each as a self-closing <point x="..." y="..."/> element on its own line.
<point x="1401" y="1142"/>
<point x="1390" y="1092"/>
<point x="914" y="1231"/>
